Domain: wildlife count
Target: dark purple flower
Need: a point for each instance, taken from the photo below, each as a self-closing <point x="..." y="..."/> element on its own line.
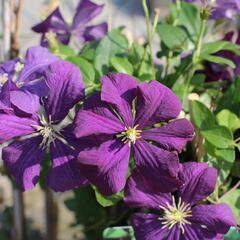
<point x="21" y="82"/>
<point x="181" y="219"/>
<point x="85" y="12"/>
<point x="44" y="129"/>
<point x="116" y="119"/>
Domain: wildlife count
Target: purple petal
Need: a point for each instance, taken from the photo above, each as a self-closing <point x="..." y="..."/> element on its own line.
<point x="9" y="67"/>
<point x="172" y="136"/>
<point x="198" y="181"/>
<point x="106" y="166"/>
<point x="155" y="103"/>
<point x="53" y="23"/>
<point x="196" y="231"/>
<point x="5" y="104"/>
<point x="37" y="61"/>
<point x="23" y="159"/>
<point x="218" y="218"/>
<point x="160" y="166"/>
<point x="66" y="87"/>
<point x="138" y="193"/>
<point x="92" y="33"/>
<point x="119" y="89"/>
<point x="37" y="87"/>
<point x="25" y="101"/>
<point x="148" y="227"/>
<point x="175" y="233"/>
<point x="95" y="118"/>
<point x="64" y="174"/>
<point x="13" y="126"/>
<point x="86" y="11"/>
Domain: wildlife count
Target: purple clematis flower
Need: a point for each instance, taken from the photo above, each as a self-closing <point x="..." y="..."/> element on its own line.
<point x="181" y="219"/>
<point x="44" y="130"/>
<point x="117" y="127"/>
<point x="85" y="12"/>
<point x="22" y="82"/>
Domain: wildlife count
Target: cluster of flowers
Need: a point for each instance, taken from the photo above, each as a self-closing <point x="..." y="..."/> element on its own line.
<point x="126" y="120"/>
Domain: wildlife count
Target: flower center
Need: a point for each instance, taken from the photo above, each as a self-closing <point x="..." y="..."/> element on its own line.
<point x="48" y="132"/>
<point x="176" y="214"/>
<point x="130" y="135"/>
<point x="3" y="79"/>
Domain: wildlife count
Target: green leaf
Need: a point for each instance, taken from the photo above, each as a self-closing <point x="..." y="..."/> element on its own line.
<point x="136" y="53"/>
<point x="88" y="51"/>
<point x="202" y="116"/>
<point x="113" y="44"/>
<point x="119" y="232"/>
<point x="228" y="119"/>
<point x="219" y="60"/>
<point x="85" y="67"/>
<point x="189" y="17"/>
<point x="146" y="77"/>
<point x="122" y="65"/>
<point x="64" y="51"/>
<point x="219" y="136"/>
<point x="173" y="37"/>
<point x="233" y="234"/>
<point x="213" y="47"/>
<point x="107" y="201"/>
<point x="233" y="200"/>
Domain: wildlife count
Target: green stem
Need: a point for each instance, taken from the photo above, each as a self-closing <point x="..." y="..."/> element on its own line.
<point x="178" y="4"/>
<point x="149" y="32"/>
<point x="198" y="45"/>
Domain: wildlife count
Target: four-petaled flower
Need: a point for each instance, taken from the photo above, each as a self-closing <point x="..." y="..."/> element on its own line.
<point x="55" y="23"/>
<point x="118" y="120"/>
<point x="181" y="219"/>
<point x="44" y="130"/>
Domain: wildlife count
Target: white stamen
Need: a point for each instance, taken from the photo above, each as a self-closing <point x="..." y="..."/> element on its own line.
<point x="176" y="214"/>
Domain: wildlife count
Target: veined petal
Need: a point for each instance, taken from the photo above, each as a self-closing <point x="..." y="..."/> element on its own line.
<point x="106" y="166"/>
<point x="23" y="159"/>
<point x="92" y="33"/>
<point x="148" y="227"/>
<point x="138" y="193"/>
<point x="196" y="231"/>
<point x="119" y="89"/>
<point x="64" y="174"/>
<point x="172" y="136"/>
<point x="13" y="126"/>
<point x="66" y="88"/>
<point x="198" y="181"/>
<point x="95" y="118"/>
<point x="5" y="103"/>
<point x="160" y="166"/>
<point x="37" y="61"/>
<point x="86" y="11"/>
<point x="174" y="233"/>
<point x="218" y="218"/>
<point x="155" y="103"/>
<point x="25" y="101"/>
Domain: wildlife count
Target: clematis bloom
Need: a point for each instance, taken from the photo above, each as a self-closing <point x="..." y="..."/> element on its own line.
<point x="184" y="218"/>
<point x="22" y="81"/>
<point x="55" y="23"/>
<point x="116" y="120"/>
<point x="43" y="130"/>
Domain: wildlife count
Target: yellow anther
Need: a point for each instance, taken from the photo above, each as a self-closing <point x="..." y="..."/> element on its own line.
<point x="131" y="135"/>
<point x="176" y="215"/>
<point x="3" y="79"/>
